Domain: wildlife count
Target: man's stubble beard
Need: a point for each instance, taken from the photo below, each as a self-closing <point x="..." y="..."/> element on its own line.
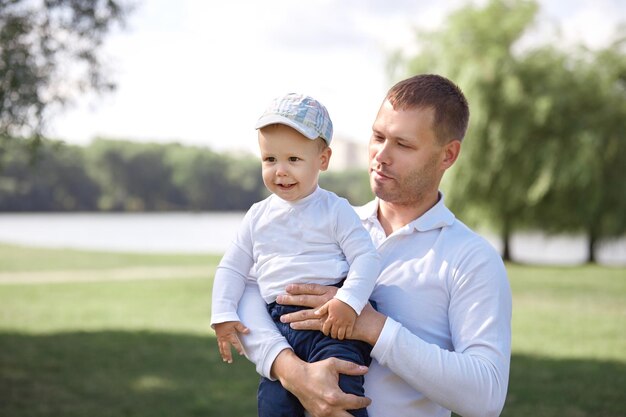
<point x="409" y="189"/>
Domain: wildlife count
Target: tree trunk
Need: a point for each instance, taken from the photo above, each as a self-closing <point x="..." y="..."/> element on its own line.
<point x="591" y="247"/>
<point x="506" y="245"/>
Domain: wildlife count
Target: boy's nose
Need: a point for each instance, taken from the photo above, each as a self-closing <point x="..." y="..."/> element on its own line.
<point x="280" y="170"/>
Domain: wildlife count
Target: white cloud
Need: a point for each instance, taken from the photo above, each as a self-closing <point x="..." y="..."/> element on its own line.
<point x="202" y="72"/>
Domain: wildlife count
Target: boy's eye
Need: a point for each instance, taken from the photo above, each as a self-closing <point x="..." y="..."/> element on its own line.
<point x="269" y="159"/>
<point x="293" y="159"/>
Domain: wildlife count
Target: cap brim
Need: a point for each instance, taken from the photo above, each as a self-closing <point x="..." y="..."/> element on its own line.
<point x="278" y="119"/>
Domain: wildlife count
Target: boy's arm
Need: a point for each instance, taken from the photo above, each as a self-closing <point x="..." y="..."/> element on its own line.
<point x="228" y="285"/>
<point x="264" y="342"/>
<point x="364" y="260"/>
<point x="231" y="275"/>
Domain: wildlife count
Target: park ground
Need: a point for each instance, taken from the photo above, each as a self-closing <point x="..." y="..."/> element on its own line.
<point x="111" y="334"/>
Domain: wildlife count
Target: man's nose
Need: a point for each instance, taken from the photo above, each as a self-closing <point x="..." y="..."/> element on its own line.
<point x="380" y="153"/>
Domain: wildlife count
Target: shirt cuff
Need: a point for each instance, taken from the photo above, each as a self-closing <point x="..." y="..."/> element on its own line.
<point x="386" y="340"/>
<point x="266" y="367"/>
<point x="356" y="304"/>
<point x="223" y="317"/>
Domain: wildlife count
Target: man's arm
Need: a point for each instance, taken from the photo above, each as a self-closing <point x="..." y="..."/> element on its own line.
<point x="315" y="384"/>
<point x="472" y="380"/>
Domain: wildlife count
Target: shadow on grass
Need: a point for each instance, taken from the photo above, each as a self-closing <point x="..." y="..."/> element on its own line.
<point x="114" y="373"/>
<point x="542" y="387"/>
<point x="121" y="374"/>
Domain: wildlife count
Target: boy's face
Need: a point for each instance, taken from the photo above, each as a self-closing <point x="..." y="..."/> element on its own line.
<point x="290" y="162"/>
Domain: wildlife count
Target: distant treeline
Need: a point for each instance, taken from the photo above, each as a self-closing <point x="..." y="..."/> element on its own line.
<point x="116" y="175"/>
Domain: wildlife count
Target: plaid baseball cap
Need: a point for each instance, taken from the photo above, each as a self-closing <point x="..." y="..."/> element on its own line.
<point x="303" y="113"/>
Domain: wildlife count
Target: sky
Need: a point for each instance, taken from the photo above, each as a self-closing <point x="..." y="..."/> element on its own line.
<point x="201" y="72"/>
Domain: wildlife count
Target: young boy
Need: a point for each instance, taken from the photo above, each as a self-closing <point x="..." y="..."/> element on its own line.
<point x="299" y="234"/>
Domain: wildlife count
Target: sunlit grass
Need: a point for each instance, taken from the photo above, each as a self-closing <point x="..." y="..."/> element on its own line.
<point x="17" y="258"/>
<point x="572" y="312"/>
<point x="143" y="347"/>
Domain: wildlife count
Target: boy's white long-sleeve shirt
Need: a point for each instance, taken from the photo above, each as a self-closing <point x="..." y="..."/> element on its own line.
<point x="318" y="239"/>
<point x="446" y="343"/>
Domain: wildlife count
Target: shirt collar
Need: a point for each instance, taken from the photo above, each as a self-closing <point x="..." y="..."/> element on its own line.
<point x="436" y="217"/>
<point x="300" y="202"/>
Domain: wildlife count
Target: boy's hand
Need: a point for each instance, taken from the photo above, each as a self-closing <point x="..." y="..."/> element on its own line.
<point x="340" y="320"/>
<point x="227" y="336"/>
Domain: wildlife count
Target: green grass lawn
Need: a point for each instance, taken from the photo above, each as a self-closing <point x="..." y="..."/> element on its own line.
<point x="94" y="346"/>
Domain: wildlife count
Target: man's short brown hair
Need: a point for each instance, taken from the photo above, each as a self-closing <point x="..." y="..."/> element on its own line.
<point x="440" y="94"/>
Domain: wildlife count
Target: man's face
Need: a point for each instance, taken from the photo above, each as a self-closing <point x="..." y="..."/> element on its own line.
<point x="290" y="162"/>
<point x="406" y="160"/>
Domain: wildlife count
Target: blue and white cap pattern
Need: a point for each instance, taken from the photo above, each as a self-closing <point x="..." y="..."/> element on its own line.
<point x="303" y="113"/>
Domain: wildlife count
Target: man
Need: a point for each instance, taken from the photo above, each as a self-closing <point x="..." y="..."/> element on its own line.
<point x="441" y="334"/>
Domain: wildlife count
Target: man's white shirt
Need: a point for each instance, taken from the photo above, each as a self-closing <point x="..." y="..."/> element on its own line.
<point x="447" y="340"/>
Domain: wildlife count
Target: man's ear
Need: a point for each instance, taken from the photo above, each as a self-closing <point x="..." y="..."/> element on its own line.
<point x="451" y="152"/>
<point x="325" y="158"/>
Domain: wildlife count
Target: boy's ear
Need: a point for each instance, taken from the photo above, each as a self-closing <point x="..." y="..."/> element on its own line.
<point x="325" y="158"/>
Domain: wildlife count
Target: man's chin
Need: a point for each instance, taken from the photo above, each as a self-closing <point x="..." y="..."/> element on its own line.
<point x="379" y="191"/>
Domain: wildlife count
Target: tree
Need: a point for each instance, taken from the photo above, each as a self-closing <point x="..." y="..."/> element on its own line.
<point x="585" y="188"/>
<point x="134" y="176"/>
<point x="58" y="182"/>
<point x="353" y="185"/>
<point x="48" y="52"/>
<point x="488" y="184"/>
<point x="545" y="144"/>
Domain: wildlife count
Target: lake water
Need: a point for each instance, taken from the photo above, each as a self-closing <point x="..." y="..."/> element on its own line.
<point x="212" y="232"/>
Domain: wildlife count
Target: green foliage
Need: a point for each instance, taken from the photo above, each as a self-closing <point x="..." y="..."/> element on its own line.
<point x="198" y="171"/>
<point x="55" y="180"/>
<point x="585" y="189"/>
<point x="48" y="52"/>
<point x="486" y="182"/>
<point x="134" y="176"/>
<point x="545" y="146"/>
<point x="143" y="176"/>
<point x="117" y="175"/>
<point x="352" y="184"/>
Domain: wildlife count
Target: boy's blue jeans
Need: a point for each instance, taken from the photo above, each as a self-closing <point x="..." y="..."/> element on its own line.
<point x="310" y="346"/>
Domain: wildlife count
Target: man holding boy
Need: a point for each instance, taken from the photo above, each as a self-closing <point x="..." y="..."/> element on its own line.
<point x="441" y="334"/>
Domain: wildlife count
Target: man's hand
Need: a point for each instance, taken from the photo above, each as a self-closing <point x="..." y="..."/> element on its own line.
<point x="316" y="384"/>
<point x="307" y="295"/>
<point x="339" y="321"/>
<point x="368" y="324"/>
<point x="227" y="336"/>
